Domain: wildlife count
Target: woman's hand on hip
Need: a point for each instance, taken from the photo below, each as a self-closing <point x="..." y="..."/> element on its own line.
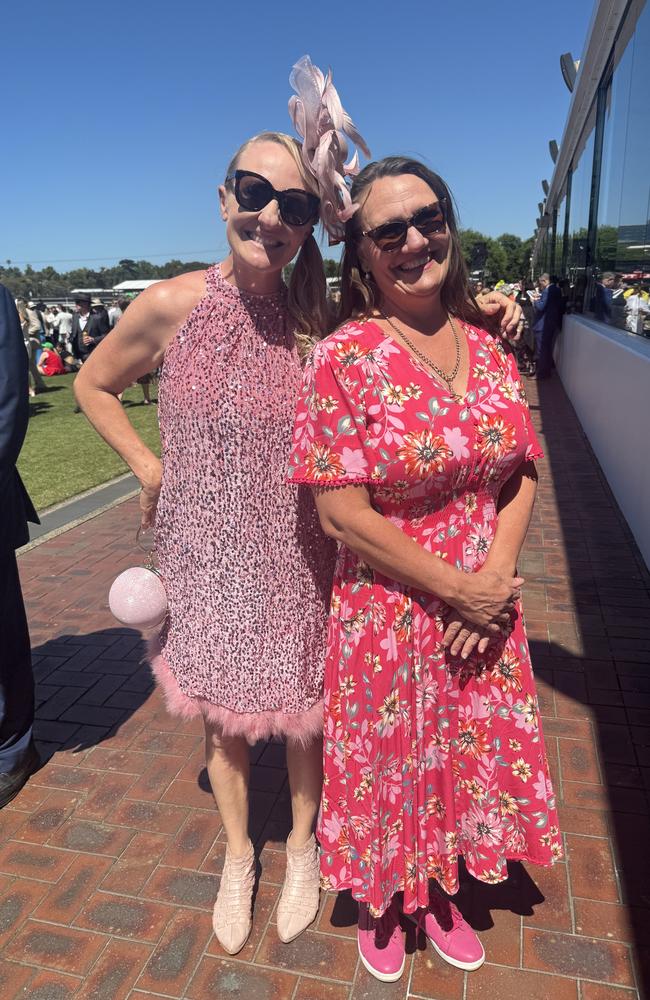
<point x="149" y="495"/>
<point x="487" y="597"/>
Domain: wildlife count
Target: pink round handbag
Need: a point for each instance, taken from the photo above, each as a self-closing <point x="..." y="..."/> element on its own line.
<point x="137" y="596"/>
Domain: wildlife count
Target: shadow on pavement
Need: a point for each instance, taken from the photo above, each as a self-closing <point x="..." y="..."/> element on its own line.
<point x="599" y="677"/>
<point x="88" y="687"/>
<point x="589" y="630"/>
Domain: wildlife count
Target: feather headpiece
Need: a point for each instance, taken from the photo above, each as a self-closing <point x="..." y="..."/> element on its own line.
<point x="324" y="128"/>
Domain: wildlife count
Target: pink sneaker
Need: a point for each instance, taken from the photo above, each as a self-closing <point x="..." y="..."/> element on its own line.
<point x="450" y="934"/>
<point x="381" y="944"/>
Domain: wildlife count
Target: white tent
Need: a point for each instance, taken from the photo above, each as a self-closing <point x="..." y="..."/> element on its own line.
<point x="134" y="286"/>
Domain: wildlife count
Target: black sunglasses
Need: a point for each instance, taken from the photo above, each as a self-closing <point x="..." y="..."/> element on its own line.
<point x="429" y="221"/>
<point x="253" y="192"/>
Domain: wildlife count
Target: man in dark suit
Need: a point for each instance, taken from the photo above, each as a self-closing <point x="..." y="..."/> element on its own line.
<point x="88" y="328"/>
<point x="548" y="320"/>
<point x="608" y="303"/>
<point x="18" y="756"/>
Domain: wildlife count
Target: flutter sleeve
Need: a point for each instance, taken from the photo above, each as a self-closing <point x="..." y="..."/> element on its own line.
<point x="331" y="444"/>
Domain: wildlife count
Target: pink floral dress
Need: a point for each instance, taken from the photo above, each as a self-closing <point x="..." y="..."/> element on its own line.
<point x="426" y="757"/>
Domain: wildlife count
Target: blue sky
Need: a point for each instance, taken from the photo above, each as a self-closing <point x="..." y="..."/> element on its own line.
<point x="122" y="117"/>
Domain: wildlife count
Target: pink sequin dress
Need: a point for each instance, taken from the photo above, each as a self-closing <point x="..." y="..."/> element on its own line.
<point x="246" y="567"/>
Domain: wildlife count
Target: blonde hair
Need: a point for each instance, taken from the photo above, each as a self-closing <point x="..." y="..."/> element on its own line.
<point x="307" y="299"/>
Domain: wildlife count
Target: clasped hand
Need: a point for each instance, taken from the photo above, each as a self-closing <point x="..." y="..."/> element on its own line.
<point x="481" y="612"/>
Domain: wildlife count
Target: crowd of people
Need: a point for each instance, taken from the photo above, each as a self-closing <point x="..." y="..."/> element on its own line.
<point x="618" y="301"/>
<point x="543" y="304"/>
<point x="59" y="340"/>
<point x="625" y="304"/>
<point x="339" y="510"/>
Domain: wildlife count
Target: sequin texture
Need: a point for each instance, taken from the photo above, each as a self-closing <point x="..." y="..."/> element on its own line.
<point x="245" y="564"/>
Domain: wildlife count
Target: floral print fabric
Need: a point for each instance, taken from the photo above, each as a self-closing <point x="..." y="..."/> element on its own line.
<point x="426" y="757"/>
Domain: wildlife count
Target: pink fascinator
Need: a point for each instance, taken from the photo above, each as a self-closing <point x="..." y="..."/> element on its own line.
<point x="325" y="127"/>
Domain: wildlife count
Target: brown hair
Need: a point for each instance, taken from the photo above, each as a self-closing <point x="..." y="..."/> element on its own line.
<point x="307" y="299"/>
<point x="358" y="290"/>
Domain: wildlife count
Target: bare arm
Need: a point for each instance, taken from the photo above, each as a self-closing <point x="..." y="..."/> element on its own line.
<point x="347" y="515"/>
<point x="135" y="347"/>
<point x="515" y="509"/>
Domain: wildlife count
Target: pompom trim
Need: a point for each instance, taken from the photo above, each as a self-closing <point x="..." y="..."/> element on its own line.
<point x="338" y="481"/>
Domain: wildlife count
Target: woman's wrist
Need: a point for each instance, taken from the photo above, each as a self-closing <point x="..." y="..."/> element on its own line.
<point x="501" y="563"/>
<point x="450" y="586"/>
<point x="150" y="475"/>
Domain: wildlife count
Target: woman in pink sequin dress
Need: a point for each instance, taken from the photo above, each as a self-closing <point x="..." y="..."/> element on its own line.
<point x="246" y="567"/>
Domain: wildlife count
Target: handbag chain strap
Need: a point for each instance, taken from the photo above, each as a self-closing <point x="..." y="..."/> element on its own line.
<point x="150" y="552"/>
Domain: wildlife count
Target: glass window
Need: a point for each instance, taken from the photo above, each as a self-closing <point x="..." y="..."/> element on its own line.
<point x="623" y="243"/>
<point x="559" y="236"/>
<point x="540" y="260"/>
<point x="577" y="257"/>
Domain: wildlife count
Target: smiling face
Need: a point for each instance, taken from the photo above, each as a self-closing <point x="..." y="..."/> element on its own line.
<point x="261" y="242"/>
<point x="417" y="270"/>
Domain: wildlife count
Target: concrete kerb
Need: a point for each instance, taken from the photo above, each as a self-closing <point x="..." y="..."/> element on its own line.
<point x="61" y="517"/>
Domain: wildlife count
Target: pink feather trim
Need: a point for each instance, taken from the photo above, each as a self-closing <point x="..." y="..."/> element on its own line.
<point x="324" y="128"/>
<point x="295" y="727"/>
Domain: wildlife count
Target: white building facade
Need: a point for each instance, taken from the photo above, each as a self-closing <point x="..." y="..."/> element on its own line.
<point x="594" y="234"/>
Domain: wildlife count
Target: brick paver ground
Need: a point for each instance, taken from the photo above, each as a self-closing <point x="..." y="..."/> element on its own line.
<point x="110" y="856"/>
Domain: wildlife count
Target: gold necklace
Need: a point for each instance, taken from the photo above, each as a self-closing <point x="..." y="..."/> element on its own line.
<point x="447" y="379"/>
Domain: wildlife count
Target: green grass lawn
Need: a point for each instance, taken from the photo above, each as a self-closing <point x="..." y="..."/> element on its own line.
<point x="62" y="454"/>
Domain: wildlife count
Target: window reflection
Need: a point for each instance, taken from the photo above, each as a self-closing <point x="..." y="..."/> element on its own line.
<point x="622" y="255"/>
<point x="611" y="278"/>
<point x="560" y="262"/>
<point x="543" y="251"/>
<point x="577" y="258"/>
<point x="632" y="245"/>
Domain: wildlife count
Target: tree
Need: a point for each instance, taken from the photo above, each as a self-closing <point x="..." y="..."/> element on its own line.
<point x="49" y="283"/>
<point x="484" y="254"/>
<point x="607" y="247"/>
<point x="513" y="248"/>
<point x="526" y="253"/>
<point x="496" y="266"/>
<point x="175" y="267"/>
<point x="507" y="257"/>
<point x="474" y="247"/>
<point x="130" y="269"/>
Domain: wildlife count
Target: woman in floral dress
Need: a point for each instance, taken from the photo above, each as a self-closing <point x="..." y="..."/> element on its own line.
<point x="414" y="412"/>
